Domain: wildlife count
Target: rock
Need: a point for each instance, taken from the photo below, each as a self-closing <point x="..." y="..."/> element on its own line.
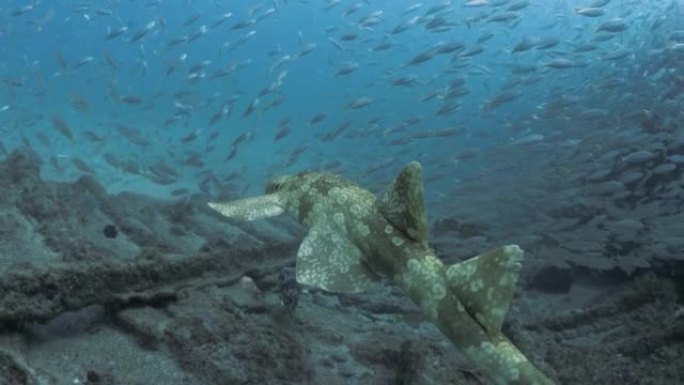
<point x="554" y="279"/>
<point x="14" y="371"/>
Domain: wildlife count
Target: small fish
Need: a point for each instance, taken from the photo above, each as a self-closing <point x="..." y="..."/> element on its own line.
<point x="411" y="8"/>
<point x="94" y="137"/>
<point x="405" y="25"/>
<point x="518" y="5"/>
<point x="192" y="18"/>
<point x="113" y="33"/>
<point x="484" y="37"/>
<point x="280" y="61"/>
<point x="60" y="125"/>
<point x="586" y="47"/>
<point x="319" y="117"/>
<point x="147" y="28"/>
<point x="359" y="103"/>
<point x="371" y="20"/>
<point x="347" y="68"/>
<point x="191" y="136"/>
<point x="198" y="67"/>
<point x="220" y="20"/>
<point x="352" y="8"/>
<point x="524" y="45"/>
<point x="421" y="57"/>
<point x="439" y="7"/>
<point x="210" y="138"/>
<point x="225" y="110"/>
<point x="78" y="102"/>
<point x="431" y="95"/>
<point x="529" y="139"/>
<point x="475" y="3"/>
<point x="349" y="36"/>
<point x="306" y="49"/>
<point x="547" y="42"/>
<point x="82" y="62"/>
<point x="285" y="131"/>
<point x="199" y="32"/>
<point x="251" y="108"/>
<point x="448" y="109"/>
<point x="331" y="4"/>
<point x="439" y="24"/>
<point x="590" y="12"/>
<point x="39" y="23"/>
<point x="83" y="166"/>
<point x="334" y="133"/>
<point x="180" y="191"/>
<point x="602" y="36"/>
<point x="618" y="54"/>
<point x="502" y="98"/>
<point x="266" y="14"/>
<point x="405" y="81"/>
<point x="383" y="46"/>
<point x="244" y="23"/>
<point x="243" y="138"/>
<point x="504" y="17"/>
<point x="24" y="9"/>
<point x="133" y="100"/>
<point x="113" y="64"/>
<point x="132" y="134"/>
<point x="336" y="43"/>
<point x="295" y="154"/>
<point x="617" y="24"/>
<point x="440" y="133"/>
<point x="103" y="12"/>
<point x="560" y="64"/>
<point x="450" y="47"/>
<point x="472" y="51"/>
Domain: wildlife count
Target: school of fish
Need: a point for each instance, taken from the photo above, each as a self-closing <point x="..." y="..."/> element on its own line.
<point x="513" y="105"/>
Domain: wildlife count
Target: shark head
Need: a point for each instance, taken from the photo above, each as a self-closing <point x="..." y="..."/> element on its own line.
<point x="294" y="194"/>
<point x="281" y="192"/>
<point x="334" y="210"/>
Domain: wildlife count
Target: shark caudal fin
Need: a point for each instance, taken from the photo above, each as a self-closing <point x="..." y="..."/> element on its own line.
<point x="264" y="206"/>
<point x="485" y="284"/>
<point x="403" y="203"/>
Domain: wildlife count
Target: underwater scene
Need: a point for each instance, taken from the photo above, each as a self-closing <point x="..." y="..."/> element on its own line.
<point x="328" y="192"/>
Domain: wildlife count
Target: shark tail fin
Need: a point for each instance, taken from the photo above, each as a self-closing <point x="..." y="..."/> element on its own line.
<point x="264" y="206"/>
<point x="404" y="206"/>
<point x="485" y="284"/>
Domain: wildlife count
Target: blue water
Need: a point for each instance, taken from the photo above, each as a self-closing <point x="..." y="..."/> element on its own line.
<point x="520" y="146"/>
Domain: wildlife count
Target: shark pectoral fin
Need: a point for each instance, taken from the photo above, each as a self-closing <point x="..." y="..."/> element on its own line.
<point x="485" y="284"/>
<point x="268" y="205"/>
<point x="403" y="203"/>
<point x="329" y="261"/>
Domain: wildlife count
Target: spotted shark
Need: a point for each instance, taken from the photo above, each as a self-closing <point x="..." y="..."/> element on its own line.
<point x="355" y="239"/>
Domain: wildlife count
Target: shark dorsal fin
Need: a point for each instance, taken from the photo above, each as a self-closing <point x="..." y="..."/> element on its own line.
<point x="403" y="203"/>
<point x="330" y="261"/>
<point x="485" y="284"/>
<point x="264" y="206"/>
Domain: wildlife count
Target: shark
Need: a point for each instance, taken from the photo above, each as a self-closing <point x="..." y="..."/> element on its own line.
<point x="355" y="239"/>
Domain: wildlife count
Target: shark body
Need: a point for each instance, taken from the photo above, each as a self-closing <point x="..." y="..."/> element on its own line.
<point x="354" y="239"/>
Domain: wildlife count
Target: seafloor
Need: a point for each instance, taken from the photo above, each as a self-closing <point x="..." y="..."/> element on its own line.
<point x="126" y="290"/>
